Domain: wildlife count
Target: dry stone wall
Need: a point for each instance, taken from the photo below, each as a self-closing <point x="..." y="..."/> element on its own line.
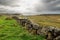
<point x="50" y="32"/>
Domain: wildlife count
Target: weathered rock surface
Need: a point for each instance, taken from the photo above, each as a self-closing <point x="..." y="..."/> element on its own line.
<point x="50" y="32"/>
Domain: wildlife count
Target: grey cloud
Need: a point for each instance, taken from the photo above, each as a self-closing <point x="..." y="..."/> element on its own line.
<point x="8" y="2"/>
<point x="49" y="5"/>
<point x="42" y="6"/>
<point x="5" y="2"/>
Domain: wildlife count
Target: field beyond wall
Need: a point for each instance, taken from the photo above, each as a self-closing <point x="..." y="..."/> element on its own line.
<point x="46" y="20"/>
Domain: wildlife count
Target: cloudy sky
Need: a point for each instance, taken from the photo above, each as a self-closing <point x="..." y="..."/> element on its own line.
<point x="30" y="6"/>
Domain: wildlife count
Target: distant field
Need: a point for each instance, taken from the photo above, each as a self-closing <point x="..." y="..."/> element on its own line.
<point x="11" y="30"/>
<point x="46" y="20"/>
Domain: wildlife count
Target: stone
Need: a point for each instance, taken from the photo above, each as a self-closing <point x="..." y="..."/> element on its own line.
<point x="15" y="17"/>
<point x="57" y="38"/>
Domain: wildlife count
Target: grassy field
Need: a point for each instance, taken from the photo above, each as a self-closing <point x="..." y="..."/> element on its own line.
<point x="11" y="30"/>
<point x="46" y="20"/>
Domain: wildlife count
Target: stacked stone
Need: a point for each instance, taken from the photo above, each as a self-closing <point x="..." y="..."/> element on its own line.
<point x="51" y="33"/>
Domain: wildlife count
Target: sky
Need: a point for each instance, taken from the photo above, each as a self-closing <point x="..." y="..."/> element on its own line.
<point x="30" y="7"/>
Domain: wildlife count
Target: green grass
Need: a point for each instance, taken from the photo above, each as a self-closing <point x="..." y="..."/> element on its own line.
<point x="11" y="30"/>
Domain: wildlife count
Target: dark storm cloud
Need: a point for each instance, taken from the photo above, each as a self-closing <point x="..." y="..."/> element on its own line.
<point x="6" y="6"/>
<point x="8" y="2"/>
<point x="40" y="6"/>
<point x="49" y="5"/>
<point x="5" y="2"/>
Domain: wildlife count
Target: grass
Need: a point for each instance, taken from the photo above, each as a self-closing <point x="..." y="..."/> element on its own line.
<point x="46" y="20"/>
<point x="11" y="30"/>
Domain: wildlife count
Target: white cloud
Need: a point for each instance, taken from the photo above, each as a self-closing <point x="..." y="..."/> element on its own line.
<point x="22" y="6"/>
